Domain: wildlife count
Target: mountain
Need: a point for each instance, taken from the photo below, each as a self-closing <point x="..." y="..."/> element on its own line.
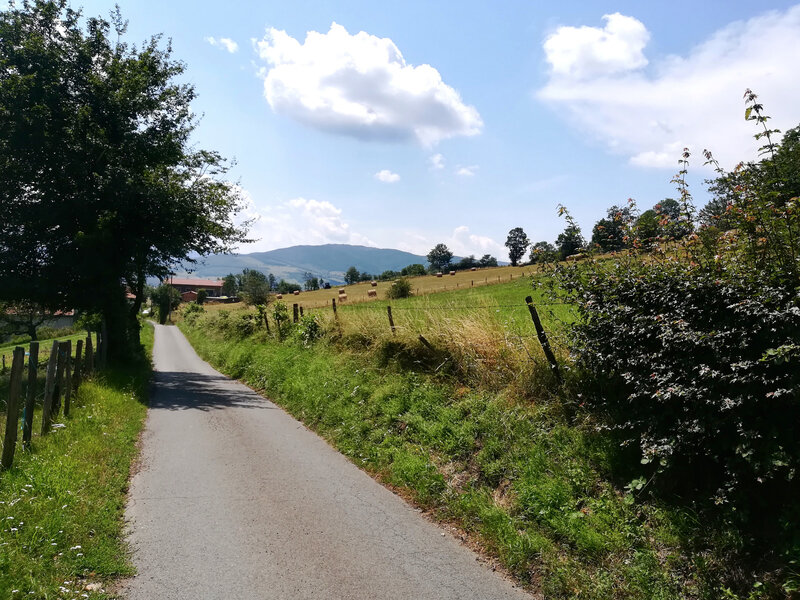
<point x="329" y="261"/>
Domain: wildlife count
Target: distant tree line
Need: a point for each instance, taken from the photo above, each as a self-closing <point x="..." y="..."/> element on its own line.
<point x="621" y="228"/>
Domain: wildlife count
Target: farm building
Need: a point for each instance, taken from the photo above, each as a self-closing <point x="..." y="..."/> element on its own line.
<point x="188" y="284"/>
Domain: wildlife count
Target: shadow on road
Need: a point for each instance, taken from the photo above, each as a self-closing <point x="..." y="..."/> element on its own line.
<point x="184" y="391"/>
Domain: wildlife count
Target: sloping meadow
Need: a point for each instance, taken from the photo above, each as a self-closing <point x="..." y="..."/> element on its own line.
<point x="472" y="427"/>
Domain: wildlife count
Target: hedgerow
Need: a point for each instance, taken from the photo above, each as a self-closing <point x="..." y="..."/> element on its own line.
<point x="689" y="349"/>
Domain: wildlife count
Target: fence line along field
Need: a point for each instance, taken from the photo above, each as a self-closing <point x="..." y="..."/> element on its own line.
<point x="420" y="285"/>
<point x="38" y="385"/>
<point x="486" y="329"/>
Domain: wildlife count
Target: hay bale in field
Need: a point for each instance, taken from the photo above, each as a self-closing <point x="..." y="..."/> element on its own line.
<point x="342" y="291"/>
<point x="297" y="292"/>
<point x="373" y="283"/>
<point x="342" y="297"/>
<point x="372" y="293"/>
<point x="279" y="296"/>
<point x="438" y="274"/>
<point x="576" y="257"/>
<point x="452" y="272"/>
<point x="474" y="269"/>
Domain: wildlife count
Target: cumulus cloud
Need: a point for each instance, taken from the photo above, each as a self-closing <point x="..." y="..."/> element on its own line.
<point x="693" y="100"/>
<point x="297" y="221"/>
<point x="437" y="162"/>
<point x="361" y="86"/>
<point x="463" y="243"/>
<point x="591" y="51"/>
<point x="224" y="43"/>
<point x="467" y="171"/>
<point x="386" y="176"/>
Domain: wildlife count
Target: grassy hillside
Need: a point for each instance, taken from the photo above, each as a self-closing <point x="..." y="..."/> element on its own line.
<point x="474" y="429"/>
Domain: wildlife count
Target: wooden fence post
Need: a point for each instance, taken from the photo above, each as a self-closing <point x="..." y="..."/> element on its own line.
<point x="391" y="321"/>
<point x="266" y="323"/>
<point x="89" y="354"/>
<point x="76" y="371"/>
<point x="425" y="342"/>
<point x="67" y="377"/>
<point x="295" y="313"/>
<point x="30" y="395"/>
<point x="49" y="386"/>
<point x="59" y="391"/>
<point x="12" y="409"/>
<point x="301" y="312"/>
<point x="333" y="303"/>
<point x="540" y="333"/>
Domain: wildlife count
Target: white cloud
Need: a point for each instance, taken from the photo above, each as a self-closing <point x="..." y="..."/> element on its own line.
<point x="691" y="101"/>
<point x="437" y="162"/>
<point x="467" y="171"/>
<point x="298" y="221"/>
<point x="360" y="85"/>
<point x="590" y="51"/>
<point x="387" y="176"/>
<point x="464" y="243"/>
<point x="224" y="43"/>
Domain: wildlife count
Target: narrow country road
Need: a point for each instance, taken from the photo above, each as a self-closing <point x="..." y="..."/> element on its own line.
<point x="236" y="499"/>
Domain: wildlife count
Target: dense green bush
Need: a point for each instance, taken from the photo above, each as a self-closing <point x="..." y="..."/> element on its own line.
<point x="309" y="330"/>
<point x="399" y="289"/>
<point x="688" y="348"/>
<point x="693" y="352"/>
<point x="283" y="323"/>
<point x="191" y="311"/>
<point x="700" y="371"/>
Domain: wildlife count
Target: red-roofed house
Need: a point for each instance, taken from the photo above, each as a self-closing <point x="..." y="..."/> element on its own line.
<point x="189" y="284"/>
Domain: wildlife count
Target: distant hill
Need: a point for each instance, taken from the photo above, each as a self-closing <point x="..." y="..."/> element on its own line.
<point x="329" y="261"/>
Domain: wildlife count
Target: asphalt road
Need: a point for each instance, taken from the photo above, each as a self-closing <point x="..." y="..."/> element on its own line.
<point x="236" y="499"/>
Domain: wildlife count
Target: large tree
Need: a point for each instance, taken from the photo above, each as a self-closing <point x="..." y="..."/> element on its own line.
<point x="439" y="257"/>
<point x="611" y="232"/>
<point x="570" y="241"/>
<point x="352" y="276"/>
<point x="517" y="244"/>
<point x="99" y="186"/>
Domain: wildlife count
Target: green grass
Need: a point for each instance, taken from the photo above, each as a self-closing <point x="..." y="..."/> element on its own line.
<point x="41" y="373"/>
<point x="534" y="491"/>
<point x="503" y="302"/>
<point x="44" y="346"/>
<point x="61" y="504"/>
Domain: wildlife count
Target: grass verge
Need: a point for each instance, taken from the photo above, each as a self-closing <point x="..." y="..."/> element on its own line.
<point x="534" y="491"/>
<point x="61" y="504"/>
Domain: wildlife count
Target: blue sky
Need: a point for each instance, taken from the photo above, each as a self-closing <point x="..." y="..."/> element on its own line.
<point x="408" y="124"/>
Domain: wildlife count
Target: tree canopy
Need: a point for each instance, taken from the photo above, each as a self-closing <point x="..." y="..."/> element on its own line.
<point x="99" y="186"/>
<point x="517" y="244"/>
<point x="439" y="257"/>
